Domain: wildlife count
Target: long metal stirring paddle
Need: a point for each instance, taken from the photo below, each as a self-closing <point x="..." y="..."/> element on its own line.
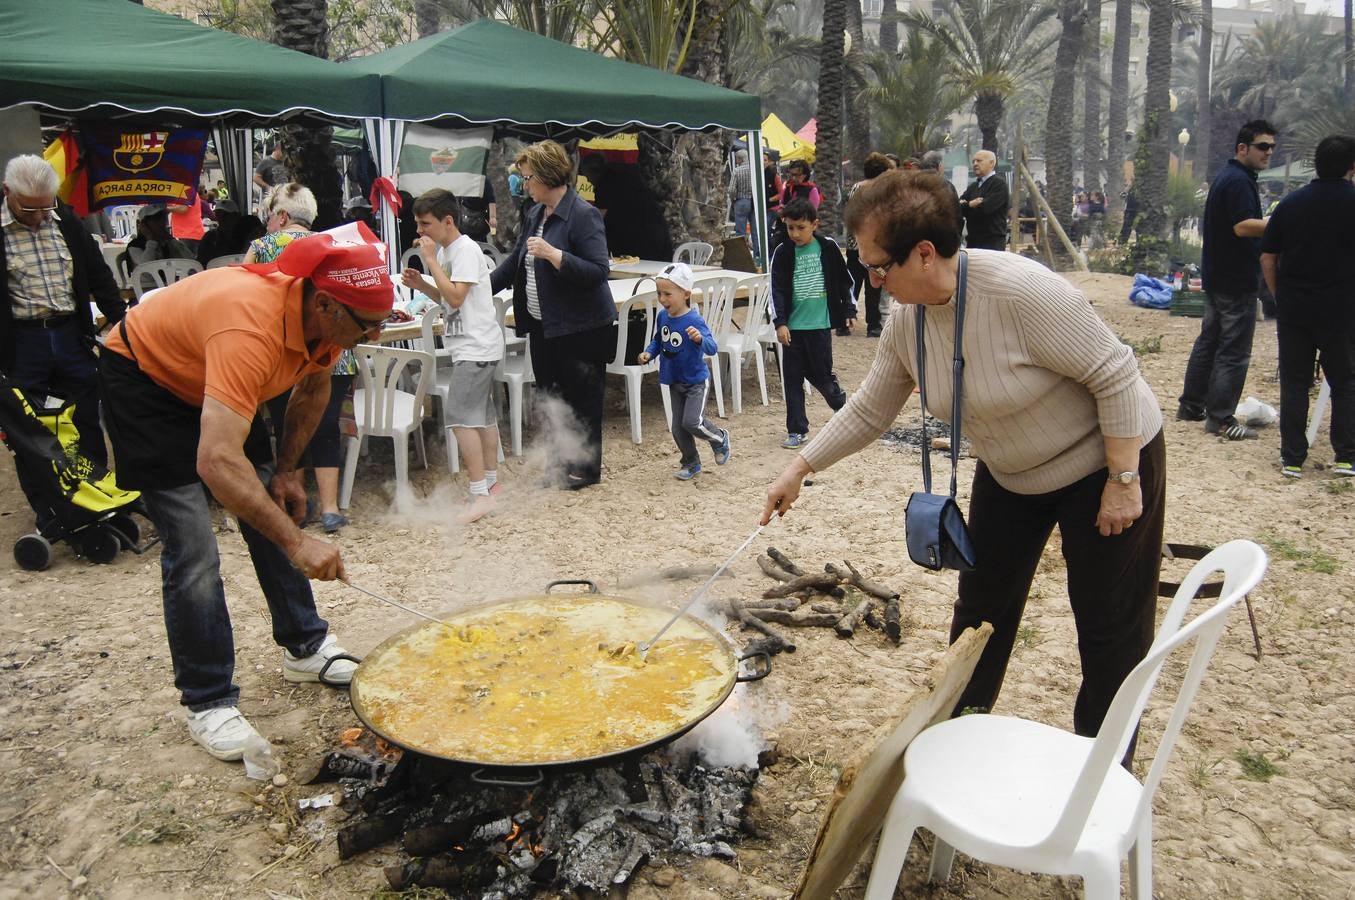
<point x="396" y="604"/>
<point x="642" y="649"/>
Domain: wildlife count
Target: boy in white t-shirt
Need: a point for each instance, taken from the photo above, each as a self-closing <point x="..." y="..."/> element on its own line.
<point x="460" y="280"/>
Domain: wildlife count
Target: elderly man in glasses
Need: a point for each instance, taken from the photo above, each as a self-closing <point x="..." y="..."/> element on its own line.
<point x="50" y="269"/>
<point x="1232" y="229"/>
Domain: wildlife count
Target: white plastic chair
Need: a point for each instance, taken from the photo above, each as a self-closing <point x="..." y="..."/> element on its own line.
<point x="766" y="338"/>
<point x="717" y="308"/>
<point x="429" y="342"/>
<point x="515" y="372"/>
<point x="511" y="342"/>
<point x="693" y="253"/>
<point x="647" y="303"/>
<point x="123" y="220"/>
<point x="736" y="344"/>
<point x="1032" y="797"/>
<point x="494" y="253"/>
<point x="230" y="259"/>
<point x="411" y="259"/>
<point x="382" y="409"/>
<point x="161" y="273"/>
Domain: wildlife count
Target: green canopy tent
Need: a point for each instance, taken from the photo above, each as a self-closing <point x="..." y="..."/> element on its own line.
<point x="529" y="86"/>
<point x="100" y="59"/>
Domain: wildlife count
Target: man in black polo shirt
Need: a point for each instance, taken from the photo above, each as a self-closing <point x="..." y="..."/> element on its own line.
<point x="1217" y="369"/>
<point x="1308" y="259"/>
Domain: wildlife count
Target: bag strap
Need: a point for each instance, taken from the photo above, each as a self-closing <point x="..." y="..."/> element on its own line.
<point x="957" y="398"/>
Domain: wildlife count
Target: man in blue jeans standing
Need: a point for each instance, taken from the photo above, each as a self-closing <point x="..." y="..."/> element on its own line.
<point x="1232" y="227"/>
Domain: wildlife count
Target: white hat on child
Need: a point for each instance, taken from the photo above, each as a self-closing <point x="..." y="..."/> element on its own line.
<point x="680" y="274"/>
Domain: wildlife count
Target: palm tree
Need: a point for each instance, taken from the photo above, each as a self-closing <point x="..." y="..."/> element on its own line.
<point x="1117" y="111"/>
<point x="828" y="145"/>
<point x="1058" y="126"/>
<point x="913" y="95"/>
<point x="303" y="25"/>
<point x="1092" y="162"/>
<point x="889" y="26"/>
<point x="1350" y="56"/>
<point x="1204" y="110"/>
<point x="1150" y="162"/>
<point x="994" y="46"/>
<point x="854" y="72"/>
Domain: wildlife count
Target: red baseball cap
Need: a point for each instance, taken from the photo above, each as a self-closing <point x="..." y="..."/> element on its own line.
<point x="348" y="262"/>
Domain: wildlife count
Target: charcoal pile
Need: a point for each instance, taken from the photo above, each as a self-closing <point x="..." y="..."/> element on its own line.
<point x="910" y="436"/>
<point x="584" y="830"/>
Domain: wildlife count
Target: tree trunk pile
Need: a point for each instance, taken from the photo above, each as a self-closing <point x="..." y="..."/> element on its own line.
<point x="839" y="597"/>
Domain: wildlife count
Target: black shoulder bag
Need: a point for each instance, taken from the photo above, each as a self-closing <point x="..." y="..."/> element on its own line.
<point x="935" y="528"/>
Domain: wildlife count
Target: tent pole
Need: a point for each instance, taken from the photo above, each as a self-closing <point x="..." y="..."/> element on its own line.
<point x="759" y="196"/>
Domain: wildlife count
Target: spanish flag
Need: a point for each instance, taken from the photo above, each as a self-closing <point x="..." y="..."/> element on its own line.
<point x="63" y="154"/>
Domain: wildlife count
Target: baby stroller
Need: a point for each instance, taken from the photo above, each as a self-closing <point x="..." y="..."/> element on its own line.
<point x="74" y="500"/>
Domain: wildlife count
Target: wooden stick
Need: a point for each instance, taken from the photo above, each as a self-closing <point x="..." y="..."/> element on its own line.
<point x="796" y="619"/>
<point x="852" y="576"/>
<point x="772" y="641"/>
<point x="874" y="618"/>
<point x="790" y="604"/>
<point x="772" y="570"/>
<point x="784" y="561"/>
<point x="824" y="582"/>
<point x="846" y="626"/>
<point x="824" y="606"/>
<point x="893" y="620"/>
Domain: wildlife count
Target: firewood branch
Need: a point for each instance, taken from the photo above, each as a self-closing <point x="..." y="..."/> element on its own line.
<point x="772" y="570"/>
<point x="853" y="576"/>
<point x="846" y="626"/>
<point x="772" y="642"/>
<point x="822" y="582"/>
<point x="784" y="561"/>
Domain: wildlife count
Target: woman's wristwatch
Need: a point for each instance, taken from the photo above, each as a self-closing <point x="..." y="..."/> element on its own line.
<point x="1124" y="477"/>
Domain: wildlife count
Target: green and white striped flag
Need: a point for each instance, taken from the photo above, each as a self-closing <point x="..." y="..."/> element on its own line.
<point x="442" y="158"/>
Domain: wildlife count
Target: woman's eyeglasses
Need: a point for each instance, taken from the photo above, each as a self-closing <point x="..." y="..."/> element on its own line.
<point x="880" y="271"/>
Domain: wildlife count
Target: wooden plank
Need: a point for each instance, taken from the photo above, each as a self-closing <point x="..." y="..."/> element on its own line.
<point x="867" y="785"/>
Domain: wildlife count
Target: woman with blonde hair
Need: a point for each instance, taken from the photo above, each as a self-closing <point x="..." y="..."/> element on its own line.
<point x="287" y="212"/>
<point x="558" y="272"/>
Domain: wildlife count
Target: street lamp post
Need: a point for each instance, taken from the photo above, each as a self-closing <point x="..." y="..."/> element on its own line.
<point x="1183" y="138"/>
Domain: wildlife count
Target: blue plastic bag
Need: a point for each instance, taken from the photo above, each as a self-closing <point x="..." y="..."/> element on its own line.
<point x="1151" y="293"/>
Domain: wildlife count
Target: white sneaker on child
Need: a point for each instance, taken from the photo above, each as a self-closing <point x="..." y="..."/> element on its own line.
<point x="222" y="732"/>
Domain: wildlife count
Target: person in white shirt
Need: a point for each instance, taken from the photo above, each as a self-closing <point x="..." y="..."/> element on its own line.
<point x="459" y="279"/>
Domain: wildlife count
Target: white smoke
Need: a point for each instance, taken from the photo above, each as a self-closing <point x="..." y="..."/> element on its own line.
<point x="734" y="734"/>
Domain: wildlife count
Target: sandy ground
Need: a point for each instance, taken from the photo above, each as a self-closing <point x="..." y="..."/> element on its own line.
<point x="99" y="782"/>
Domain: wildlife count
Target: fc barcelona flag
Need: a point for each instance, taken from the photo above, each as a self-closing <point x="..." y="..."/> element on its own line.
<point x="143" y="166"/>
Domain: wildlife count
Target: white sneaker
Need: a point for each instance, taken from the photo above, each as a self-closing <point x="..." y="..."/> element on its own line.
<point x="308" y="668"/>
<point x="222" y="732"/>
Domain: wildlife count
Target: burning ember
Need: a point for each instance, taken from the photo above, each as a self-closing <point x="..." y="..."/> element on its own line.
<point x="584" y="829"/>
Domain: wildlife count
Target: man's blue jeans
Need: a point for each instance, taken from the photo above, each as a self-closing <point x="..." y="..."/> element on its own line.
<point x="201" y="644"/>
<point x="1217" y="369"/>
<point x="743" y="220"/>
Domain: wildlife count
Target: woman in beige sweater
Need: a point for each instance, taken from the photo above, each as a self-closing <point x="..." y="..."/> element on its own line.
<point x="1066" y="432"/>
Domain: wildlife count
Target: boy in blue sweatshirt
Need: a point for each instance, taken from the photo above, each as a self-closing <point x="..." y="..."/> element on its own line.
<point x="682" y="340"/>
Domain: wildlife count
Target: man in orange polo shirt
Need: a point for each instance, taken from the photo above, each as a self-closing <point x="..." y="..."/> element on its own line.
<point x="183" y="376"/>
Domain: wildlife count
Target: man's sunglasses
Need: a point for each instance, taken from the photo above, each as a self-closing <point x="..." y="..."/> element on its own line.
<point x="1264" y="146"/>
<point x="38" y="209"/>
<point x="365" y="326"/>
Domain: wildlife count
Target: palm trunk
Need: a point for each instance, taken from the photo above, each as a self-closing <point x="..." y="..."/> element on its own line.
<point x="1058" y="123"/>
<point x="303" y="25"/>
<point x="988" y="110"/>
<point x="1350" y="56"/>
<point x="1092" y="163"/>
<point x="1117" y="114"/>
<point x="1150" y="163"/>
<point x="1204" y="114"/>
<point x="858" y="110"/>
<point x="689" y="182"/>
<point x="889" y="26"/>
<point x="426" y="17"/>
<point x="828" y="147"/>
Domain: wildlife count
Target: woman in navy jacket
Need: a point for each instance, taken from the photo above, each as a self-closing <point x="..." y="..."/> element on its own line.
<point x="561" y="301"/>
